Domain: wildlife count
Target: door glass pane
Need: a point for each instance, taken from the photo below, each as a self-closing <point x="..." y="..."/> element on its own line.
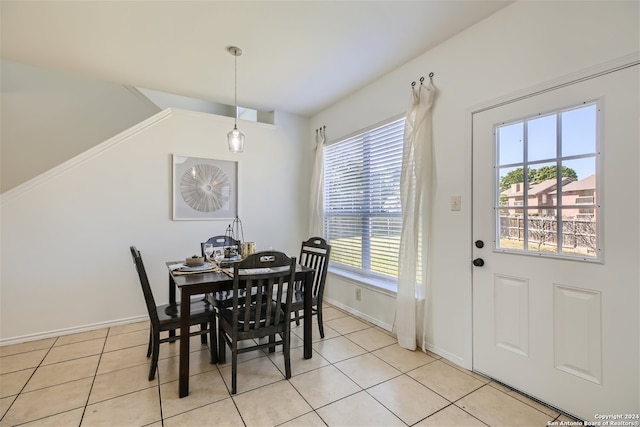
<point x="510" y="182"/>
<point x="579" y="131"/>
<point x="542" y="138"/>
<point x="510" y="229"/>
<point x="510" y="144"/>
<point x="542" y="230"/>
<point x="579" y="232"/>
<point x="583" y="172"/>
<point x="542" y="176"/>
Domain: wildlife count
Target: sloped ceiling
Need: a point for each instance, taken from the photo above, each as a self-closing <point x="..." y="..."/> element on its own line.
<point x="49" y="117"/>
<point x="299" y="56"/>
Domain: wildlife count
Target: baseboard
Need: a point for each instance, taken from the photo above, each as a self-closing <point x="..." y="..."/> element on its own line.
<point x="359" y="314"/>
<point x="69" y="331"/>
<point x="447" y="355"/>
<point x="433" y="349"/>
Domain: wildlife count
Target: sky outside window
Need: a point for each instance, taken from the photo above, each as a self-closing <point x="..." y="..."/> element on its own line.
<point x="578" y="138"/>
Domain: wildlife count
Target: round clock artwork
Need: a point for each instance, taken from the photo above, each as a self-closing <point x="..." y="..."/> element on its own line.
<point x="205" y="187"/>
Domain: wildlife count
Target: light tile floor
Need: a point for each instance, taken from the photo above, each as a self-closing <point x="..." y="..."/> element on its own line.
<point x="358" y="376"/>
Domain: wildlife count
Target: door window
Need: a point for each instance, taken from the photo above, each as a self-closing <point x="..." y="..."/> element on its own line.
<point x="553" y="208"/>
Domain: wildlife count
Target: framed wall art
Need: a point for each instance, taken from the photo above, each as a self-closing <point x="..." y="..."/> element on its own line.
<point x="204" y="189"/>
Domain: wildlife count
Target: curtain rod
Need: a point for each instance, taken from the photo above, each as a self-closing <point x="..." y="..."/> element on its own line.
<point x="422" y="79"/>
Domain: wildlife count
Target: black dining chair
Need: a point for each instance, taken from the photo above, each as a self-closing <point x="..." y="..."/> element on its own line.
<point x="221" y="242"/>
<point x="220" y="299"/>
<point x="266" y="275"/>
<point x="314" y="253"/>
<point x="202" y="313"/>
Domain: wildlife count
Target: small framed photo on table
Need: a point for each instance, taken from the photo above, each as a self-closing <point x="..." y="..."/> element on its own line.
<point x="204" y="189"/>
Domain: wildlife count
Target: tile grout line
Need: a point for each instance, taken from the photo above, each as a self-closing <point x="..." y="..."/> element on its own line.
<point x="93" y="381"/>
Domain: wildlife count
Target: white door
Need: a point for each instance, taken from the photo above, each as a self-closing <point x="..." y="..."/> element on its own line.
<point x="561" y="327"/>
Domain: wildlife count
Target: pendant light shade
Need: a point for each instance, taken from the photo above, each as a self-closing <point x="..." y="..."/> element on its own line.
<point x="235" y="138"/>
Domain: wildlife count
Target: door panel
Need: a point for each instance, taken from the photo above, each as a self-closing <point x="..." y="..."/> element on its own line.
<point x="511" y="314"/>
<point x="564" y="331"/>
<point x="578" y="354"/>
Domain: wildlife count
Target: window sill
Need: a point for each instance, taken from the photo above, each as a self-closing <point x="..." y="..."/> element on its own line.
<point x="385" y="287"/>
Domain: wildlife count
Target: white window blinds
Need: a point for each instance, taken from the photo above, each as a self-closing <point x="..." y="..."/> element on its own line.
<point x="362" y="212"/>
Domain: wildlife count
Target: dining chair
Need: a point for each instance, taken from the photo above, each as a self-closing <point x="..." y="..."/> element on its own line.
<point x="266" y="275"/>
<point x="221" y="298"/>
<point x="202" y="313"/>
<point x="221" y="241"/>
<point x="314" y="253"/>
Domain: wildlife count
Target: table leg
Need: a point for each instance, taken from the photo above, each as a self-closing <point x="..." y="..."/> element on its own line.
<point x="172" y="290"/>
<point x="185" y="314"/>
<point x="173" y="307"/>
<point x="308" y="317"/>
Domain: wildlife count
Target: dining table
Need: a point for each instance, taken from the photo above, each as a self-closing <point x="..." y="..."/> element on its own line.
<point x="213" y="280"/>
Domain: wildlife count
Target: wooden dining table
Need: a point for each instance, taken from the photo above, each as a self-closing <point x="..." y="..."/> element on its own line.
<point x="197" y="283"/>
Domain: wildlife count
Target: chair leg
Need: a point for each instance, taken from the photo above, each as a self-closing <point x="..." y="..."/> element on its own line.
<point x="150" y="341"/>
<point x="234" y="366"/>
<point x="297" y="317"/>
<point x="222" y="351"/>
<point x="320" y="327"/>
<point x="213" y="346"/>
<point x="154" y="356"/>
<point x="286" y="338"/>
<point x="203" y="337"/>
<point x="272" y="339"/>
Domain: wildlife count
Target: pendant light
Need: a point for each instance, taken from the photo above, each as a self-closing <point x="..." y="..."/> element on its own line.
<point x="235" y="138"/>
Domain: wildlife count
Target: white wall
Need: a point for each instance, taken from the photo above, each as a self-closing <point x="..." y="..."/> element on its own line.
<point x="524" y="45"/>
<point x="65" y="235"/>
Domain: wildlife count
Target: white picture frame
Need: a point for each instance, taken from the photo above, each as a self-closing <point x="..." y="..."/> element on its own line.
<point x="204" y="189"/>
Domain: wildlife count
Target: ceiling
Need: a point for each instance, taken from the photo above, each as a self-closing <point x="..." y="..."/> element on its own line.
<point x="298" y="56"/>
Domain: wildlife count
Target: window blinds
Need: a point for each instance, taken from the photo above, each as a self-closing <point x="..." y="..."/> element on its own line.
<point x="362" y="212"/>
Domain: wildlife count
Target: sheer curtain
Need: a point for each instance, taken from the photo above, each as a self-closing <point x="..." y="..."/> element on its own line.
<point x="316" y="195"/>
<point x="416" y="192"/>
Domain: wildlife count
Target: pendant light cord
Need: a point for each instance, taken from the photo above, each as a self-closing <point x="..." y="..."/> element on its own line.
<point x="235" y="88"/>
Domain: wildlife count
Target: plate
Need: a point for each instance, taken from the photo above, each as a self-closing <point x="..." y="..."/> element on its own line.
<point x="203" y="266"/>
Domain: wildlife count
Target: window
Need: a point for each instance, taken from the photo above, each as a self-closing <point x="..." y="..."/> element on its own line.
<point x="584" y="200"/>
<point x="362" y="211"/>
<point x="553" y="208"/>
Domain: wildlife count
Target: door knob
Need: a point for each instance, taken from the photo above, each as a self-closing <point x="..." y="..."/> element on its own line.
<point x="478" y="262"/>
<point x="479" y="244"/>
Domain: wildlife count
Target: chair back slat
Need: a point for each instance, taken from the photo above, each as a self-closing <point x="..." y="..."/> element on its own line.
<point x="278" y="292"/>
<point x="246" y="321"/>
